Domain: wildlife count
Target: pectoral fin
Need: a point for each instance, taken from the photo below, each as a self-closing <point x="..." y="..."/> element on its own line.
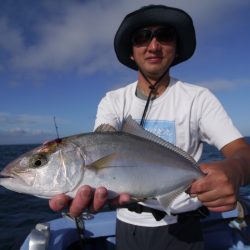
<point x="103" y="162"/>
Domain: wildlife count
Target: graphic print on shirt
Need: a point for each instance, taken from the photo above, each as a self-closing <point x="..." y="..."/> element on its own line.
<point x="162" y="128"/>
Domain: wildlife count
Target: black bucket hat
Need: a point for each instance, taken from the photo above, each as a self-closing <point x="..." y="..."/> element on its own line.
<point x="155" y="15"/>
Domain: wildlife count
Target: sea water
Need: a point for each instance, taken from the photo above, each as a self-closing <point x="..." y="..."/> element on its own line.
<point x="19" y="213"/>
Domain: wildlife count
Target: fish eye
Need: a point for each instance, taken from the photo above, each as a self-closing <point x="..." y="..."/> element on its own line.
<point x="38" y="160"/>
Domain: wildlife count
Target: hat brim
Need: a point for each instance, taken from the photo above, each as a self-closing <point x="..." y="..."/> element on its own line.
<point x="155" y="15"/>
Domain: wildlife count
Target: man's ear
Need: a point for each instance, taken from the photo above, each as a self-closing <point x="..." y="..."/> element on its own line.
<point x="132" y="57"/>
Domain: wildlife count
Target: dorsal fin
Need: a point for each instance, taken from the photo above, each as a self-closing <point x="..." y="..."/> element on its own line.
<point x="132" y="127"/>
<point x="105" y="128"/>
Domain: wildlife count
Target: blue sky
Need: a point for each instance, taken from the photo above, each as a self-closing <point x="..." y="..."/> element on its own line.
<point x="57" y="59"/>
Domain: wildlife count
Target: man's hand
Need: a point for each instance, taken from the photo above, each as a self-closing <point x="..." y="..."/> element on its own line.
<point x="86" y="198"/>
<point x="218" y="189"/>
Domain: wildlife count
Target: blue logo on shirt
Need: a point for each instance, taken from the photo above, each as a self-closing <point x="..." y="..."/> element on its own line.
<point x="162" y="128"/>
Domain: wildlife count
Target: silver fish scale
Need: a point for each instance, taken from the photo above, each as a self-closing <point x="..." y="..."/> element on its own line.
<point x="140" y="167"/>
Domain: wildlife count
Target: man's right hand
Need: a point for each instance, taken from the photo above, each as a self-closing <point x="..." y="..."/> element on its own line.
<point x="86" y="198"/>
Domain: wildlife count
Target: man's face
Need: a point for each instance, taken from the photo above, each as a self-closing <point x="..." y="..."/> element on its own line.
<point x="154" y="54"/>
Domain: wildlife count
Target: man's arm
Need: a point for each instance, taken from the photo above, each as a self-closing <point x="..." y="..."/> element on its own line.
<point x="239" y="151"/>
<point x="218" y="190"/>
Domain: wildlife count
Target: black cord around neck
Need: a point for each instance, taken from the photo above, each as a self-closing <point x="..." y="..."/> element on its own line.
<point x="152" y="89"/>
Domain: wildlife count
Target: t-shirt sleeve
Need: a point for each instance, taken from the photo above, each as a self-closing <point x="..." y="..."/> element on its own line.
<point x="106" y="113"/>
<point x="215" y="126"/>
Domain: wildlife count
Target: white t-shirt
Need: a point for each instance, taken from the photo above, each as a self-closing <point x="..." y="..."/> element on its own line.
<point x="185" y="115"/>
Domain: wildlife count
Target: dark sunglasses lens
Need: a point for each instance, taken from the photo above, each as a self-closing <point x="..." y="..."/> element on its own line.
<point x="144" y="36"/>
<point x="165" y="35"/>
<point x="141" y="37"/>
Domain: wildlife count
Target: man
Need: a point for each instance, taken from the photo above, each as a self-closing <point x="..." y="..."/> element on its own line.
<point x="152" y="40"/>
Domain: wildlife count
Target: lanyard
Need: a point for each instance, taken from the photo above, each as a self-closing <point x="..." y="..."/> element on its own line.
<point x="152" y="89"/>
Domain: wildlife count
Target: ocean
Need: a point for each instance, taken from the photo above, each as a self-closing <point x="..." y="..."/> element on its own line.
<point x="19" y="213"/>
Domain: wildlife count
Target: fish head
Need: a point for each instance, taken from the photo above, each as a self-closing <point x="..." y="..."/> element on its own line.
<point x="55" y="167"/>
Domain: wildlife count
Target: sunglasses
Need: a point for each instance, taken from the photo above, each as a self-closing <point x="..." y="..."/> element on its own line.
<point x="144" y="36"/>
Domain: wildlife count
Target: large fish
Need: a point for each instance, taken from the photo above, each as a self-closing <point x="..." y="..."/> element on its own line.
<point x="134" y="161"/>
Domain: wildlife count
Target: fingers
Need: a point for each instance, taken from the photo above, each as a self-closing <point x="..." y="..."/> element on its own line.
<point x="222" y="208"/>
<point x="121" y="200"/>
<point x="221" y="204"/>
<point x="216" y="191"/>
<point x="100" y="199"/>
<point x="81" y="201"/>
<point x="88" y="198"/>
<point x="217" y="202"/>
<point x="59" y="202"/>
<point x="217" y="181"/>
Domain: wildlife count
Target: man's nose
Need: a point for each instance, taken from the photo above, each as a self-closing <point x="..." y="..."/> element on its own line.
<point x="154" y="45"/>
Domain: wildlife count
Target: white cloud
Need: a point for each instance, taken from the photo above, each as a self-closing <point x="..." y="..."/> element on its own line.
<point x="25" y="119"/>
<point x="223" y="84"/>
<point x="25" y="128"/>
<point x="17" y="131"/>
<point x="79" y="35"/>
<point x="11" y="38"/>
<point x="74" y="39"/>
<point x="24" y="136"/>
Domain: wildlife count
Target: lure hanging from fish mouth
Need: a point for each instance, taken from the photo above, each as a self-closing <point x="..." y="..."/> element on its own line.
<point x="3" y="176"/>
